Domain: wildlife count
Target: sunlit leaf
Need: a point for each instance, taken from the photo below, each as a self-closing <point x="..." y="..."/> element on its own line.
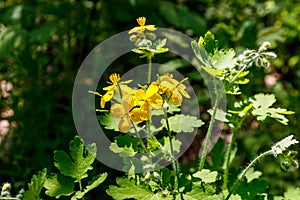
<point x="261" y="104"/>
<point x="251" y="174"/>
<point x="94" y="183"/>
<point x="127" y="189"/>
<point x="58" y="185"/>
<point x="206" y="175"/>
<point x="182" y="123"/>
<point x="122" y="151"/>
<point x="35" y="186"/>
<point x="109" y="122"/>
<point x="80" y="161"/>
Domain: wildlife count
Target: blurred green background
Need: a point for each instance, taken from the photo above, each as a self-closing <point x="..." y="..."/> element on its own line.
<point x="43" y="43"/>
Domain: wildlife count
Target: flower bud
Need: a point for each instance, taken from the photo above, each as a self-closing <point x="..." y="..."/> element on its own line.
<point x="165" y="106"/>
<point x="266" y="45"/>
<point x="147" y="176"/>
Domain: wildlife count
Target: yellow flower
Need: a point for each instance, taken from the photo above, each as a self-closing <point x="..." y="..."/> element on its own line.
<point x="115" y="86"/>
<point x="142" y="21"/>
<point x="122" y="111"/>
<point x="144" y="102"/>
<point x="173" y="89"/>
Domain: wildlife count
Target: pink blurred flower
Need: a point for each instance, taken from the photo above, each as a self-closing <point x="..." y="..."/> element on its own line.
<point x="6" y="87"/>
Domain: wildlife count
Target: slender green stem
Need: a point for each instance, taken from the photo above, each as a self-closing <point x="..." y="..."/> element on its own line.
<point x="80" y="185"/>
<point x="137" y="135"/>
<point x="228" y="153"/>
<point x="210" y="127"/>
<point x="149" y="68"/>
<point x="245" y="171"/>
<point x="237" y="75"/>
<point x="175" y="162"/>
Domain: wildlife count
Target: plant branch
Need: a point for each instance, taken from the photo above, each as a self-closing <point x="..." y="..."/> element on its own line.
<point x="245" y="171"/>
<point x="210" y="127"/>
<point x="228" y="153"/>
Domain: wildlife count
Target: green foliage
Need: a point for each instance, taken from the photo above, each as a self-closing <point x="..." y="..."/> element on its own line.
<point x="97" y="180"/>
<point x="206" y="176"/>
<point x="183" y="123"/>
<point x="73" y="169"/>
<point x="35" y="186"/>
<point x="128" y="189"/>
<point x="80" y="161"/>
<point x="109" y="122"/>
<point x="292" y="193"/>
<point x="261" y="104"/>
<point x="42" y="44"/>
<point x="59" y="185"/>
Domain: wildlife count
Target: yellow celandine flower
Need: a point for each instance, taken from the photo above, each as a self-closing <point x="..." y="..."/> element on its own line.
<point x="145" y="101"/>
<point x="173" y="89"/>
<point x="142" y="21"/>
<point x="122" y="111"/>
<point x="115" y="86"/>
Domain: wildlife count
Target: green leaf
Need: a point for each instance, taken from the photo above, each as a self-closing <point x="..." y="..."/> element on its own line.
<point x="206" y="176"/>
<point x="212" y="71"/>
<point x="251" y="190"/>
<point x="94" y="183"/>
<point x="208" y="42"/>
<point x="35" y="186"/>
<point x="10" y="38"/>
<point x="198" y="194"/>
<point x="251" y="174"/>
<point x="220" y="115"/>
<point x="292" y="193"/>
<point x="127" y="189"/>
<point x="167" y="148"/>
<point x="224" y="59"/>
<point x="58" y="185"/>
<point x="283" y="145"/>
<point x="201" y="54"/>
<point x="182" y="123"/>
<point x="124" y="152"/>
<point x="109" y="122"/>
<point x="261" y="108"/>
<point x="233" y="196"/>
<point x="80" y="161"/>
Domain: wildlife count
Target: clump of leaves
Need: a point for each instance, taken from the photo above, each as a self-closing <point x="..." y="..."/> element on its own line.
<point x="73" y="168"/>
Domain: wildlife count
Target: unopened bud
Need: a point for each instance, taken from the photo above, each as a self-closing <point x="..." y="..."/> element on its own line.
<point x="265" y="46"/>
<point x="147" y="177"/>
<point x="165" y="106"/>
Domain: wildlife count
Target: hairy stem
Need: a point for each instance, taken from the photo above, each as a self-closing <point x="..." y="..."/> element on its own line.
<point x="210" y="128"/>
<point x="228" y="153"/>
<point x="245" y="171"/>
<point x="149" y="68"/>
<point x="175" y="162"/>
<point x="137" y="135"/>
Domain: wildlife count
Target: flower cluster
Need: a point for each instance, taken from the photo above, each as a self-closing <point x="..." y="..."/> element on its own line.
<point x="135" y="105"/>
<point x="144" y="37"/>
<point x="260" y="58"/>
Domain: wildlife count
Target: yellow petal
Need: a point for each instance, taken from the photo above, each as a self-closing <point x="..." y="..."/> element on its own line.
<point x="125" y="125"/>
<point x="114" y="78"/>
<point x="150" y="27"/>
<point x="108" y="95"/>
<point x="102" y="103"/>
<point x="141" y="21"/>
<point x="117" y="110"/>
<point x="126" y="90"/>
<point x="176" y="98"/>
